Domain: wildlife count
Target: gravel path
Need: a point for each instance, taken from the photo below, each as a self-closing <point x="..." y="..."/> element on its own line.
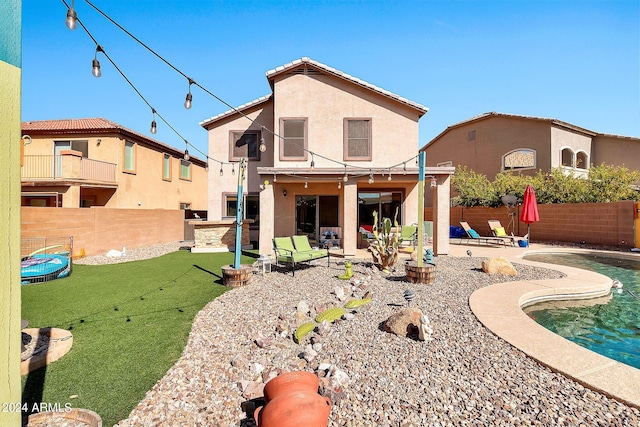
<point x="464" y="376"/>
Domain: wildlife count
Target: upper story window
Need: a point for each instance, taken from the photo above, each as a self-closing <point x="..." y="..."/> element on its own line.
<point x="357" y="139"/>
<point x="582" y="160"/>
<point x="520" y="159"/>
<point x="166" y="167"/>
<point x="129" y="157"/>
<point x="567" y="157"/>
<point x="293" y="144"/>
<point x="471" y="135"/>
<point x="244" y="144"/>
<point x="579" y="160"/>
<point x="185" y="170"/>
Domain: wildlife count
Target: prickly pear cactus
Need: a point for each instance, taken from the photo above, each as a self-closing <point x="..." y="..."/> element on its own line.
<point x="331" y="314"/>
<point x="355" y="303"/>
<point x="303" y="330"/>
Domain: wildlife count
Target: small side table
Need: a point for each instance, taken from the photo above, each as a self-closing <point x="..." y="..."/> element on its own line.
<point x="264" y="264"/>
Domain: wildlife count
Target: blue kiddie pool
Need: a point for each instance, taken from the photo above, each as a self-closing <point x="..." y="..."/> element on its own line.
<point x="38" y="268"/>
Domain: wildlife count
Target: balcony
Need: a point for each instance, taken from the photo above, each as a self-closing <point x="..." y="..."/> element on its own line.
<point x="70" y="167"/>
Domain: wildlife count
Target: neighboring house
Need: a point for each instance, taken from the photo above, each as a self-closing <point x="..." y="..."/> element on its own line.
<point x="496" y="142"/>
<point x="336" y="149"/>
<point x="95" y="162"/>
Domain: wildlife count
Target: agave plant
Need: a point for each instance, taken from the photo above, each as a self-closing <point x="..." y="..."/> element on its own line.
<point x="384" y="248"/>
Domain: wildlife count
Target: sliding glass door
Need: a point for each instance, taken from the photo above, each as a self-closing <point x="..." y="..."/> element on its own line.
<point x="385" y="203"/>
<point x="313" y="212"/>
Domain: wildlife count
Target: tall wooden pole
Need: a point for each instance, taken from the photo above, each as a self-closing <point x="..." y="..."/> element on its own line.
<point x="239" y="213"/>
<point x="421" y="160"/>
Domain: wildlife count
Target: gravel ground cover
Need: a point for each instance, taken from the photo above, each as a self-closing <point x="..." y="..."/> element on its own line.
<point x="464" y="376"/>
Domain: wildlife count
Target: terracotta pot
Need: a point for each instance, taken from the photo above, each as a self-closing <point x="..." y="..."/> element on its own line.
<point x="293" y="400"/>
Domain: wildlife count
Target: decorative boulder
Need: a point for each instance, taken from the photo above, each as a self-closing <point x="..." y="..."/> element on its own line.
<point x="405" y="323"/>
<point x="498" y="265"/>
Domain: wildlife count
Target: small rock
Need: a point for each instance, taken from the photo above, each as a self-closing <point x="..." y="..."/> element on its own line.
<point x="263" y="341"/>
<point x="348" y="316"/>
<point x="254" y="390"/>
<point x="405" y="323"/>
<point x="240" y="361"/>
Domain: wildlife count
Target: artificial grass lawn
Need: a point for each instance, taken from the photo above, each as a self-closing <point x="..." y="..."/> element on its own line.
<point x="130" y="323"/>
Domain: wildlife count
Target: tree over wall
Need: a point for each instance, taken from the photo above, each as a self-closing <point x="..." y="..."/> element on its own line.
<point x="604" y="184"/>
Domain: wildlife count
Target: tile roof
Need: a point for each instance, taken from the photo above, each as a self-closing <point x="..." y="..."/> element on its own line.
<point x="330" y="70"/>
<point x="491" y="114"/>
<point x="96" y="125"/>
<point x="271" y="74"/>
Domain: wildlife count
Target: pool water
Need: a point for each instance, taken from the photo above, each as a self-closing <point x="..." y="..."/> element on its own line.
<point x="608" y="325"/>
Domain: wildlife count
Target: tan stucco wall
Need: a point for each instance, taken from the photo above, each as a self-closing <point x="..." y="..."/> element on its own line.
<point x="495" y="137"/>
<point x="326" y="101"/>
<point x="10" y="340"/>
<point x="616" y="151"/>
<point x="563" y="138"/>
<point x="143" y="189"/>
<point x="219" y="139"/>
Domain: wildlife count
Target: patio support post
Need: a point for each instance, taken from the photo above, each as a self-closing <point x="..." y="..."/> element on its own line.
<point x="441" y="208"/>
<point x="267" y="219"/>
<point x="350" y="218"/>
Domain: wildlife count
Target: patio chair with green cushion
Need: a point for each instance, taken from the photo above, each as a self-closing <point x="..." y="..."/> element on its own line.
<point x="302" y="245"/>
<point x="286" y="253"/>
<point x="408" y="233"/>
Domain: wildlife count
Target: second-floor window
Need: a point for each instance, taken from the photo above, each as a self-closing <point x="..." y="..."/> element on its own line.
<point x="129" y="157"/>
<point x="357" y="139"/>
<point x="166" y="167"/>
<point x="293" y="144"/>
<point x="244" y="144"/>
<point x="520" y="159"/>
<point x="185" y="170"/>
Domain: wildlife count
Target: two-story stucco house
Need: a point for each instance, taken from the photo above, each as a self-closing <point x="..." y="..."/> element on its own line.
<point x="497" y="142"/>
<point x="336" y="149"/>
<point x="94" y="162"/>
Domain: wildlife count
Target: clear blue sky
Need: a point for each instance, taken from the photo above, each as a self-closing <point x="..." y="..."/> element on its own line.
<point x="577" y="61"/>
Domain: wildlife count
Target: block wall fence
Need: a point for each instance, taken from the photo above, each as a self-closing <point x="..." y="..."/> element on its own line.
<point x="607" y="224"/>
<point x="97" y="230"/>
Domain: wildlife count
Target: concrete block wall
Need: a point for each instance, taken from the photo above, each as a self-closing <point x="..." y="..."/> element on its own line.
<point x="608" y="224"/>
<point x="97" y="230"/>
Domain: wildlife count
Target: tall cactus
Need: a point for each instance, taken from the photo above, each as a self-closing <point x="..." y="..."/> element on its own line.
<point x="384" y="248"/>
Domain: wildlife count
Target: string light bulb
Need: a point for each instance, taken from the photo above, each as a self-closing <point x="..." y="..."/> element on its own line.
<point x="313" y="164"/>
<point x="306" y="184"/>
<point x="339" y="185"/>
<point x="404" y="168"/>
<point x="434" y="182"/>
<point x="221" y="171"/>
<point x="186" y="154"/>
<point x="72" y="18"/>
<point x="154" y="127"/>
<point x="263" y="146"/>
<point x="95" y="64"/>
<point x="371" y="178"/>
<point x="345" y="178"/>
<point x="189" y="98"/>
<point x="275" y="178"/>
<point x="389" y="178"/>
<point x="206" y="168"/>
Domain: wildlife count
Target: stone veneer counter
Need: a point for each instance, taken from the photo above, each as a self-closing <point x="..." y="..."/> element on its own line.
<point x="219" y="236"/>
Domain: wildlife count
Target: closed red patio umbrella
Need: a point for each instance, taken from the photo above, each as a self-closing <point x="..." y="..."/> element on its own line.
<point x="529" y="212"/>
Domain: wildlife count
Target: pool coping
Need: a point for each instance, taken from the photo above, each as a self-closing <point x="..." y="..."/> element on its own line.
<point x="499" y="307"/>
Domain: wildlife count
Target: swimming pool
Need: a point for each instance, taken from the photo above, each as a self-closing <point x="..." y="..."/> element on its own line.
<point x="608" y="325"/>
